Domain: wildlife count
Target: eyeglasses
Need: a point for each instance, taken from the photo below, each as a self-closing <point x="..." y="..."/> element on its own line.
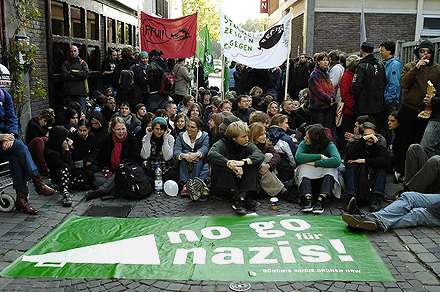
<point x="425" y="51"/>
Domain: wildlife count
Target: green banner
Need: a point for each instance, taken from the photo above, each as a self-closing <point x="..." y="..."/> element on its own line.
<point x="248" y="248"/>
<point x="204" y="51"/>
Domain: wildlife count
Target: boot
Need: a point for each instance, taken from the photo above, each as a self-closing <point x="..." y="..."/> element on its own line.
<point x="22" y="204"/>
<point x="67" y="199"/>
<point x="41" y="187"/>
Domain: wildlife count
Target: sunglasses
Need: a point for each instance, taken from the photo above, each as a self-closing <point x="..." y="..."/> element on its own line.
<point x="425" y="51"/>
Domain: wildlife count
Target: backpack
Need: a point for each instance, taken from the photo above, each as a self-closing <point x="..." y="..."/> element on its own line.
<point x="168" y="81"/>
<point x="132" y="182"/>
<point x="126" y="79"/>
<point x="365" y="179"/>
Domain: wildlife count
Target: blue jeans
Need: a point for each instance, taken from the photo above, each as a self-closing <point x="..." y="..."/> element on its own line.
<point x="21" y="165"/>
<point x="82" y="101"/>
<point x="409" y="210"/>
<point x="155" y="101"/>
<point x="199" y="170"/>
<point x="305" y="188"/>
<point x="431" y="139"/>
<point x="380" y="179"/>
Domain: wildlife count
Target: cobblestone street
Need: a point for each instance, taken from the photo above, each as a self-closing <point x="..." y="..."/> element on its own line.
<point x="411" y="254"/>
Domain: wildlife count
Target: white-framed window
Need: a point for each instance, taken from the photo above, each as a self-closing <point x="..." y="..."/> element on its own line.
<point x="431" y="26"/>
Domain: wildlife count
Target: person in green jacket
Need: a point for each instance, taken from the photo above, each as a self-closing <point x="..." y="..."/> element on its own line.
<point x="318" y="160"/>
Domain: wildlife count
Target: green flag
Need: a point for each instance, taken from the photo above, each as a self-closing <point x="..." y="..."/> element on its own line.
<point x="204" y="51"/>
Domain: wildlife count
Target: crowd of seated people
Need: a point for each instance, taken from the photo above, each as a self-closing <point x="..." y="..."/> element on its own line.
<point x="254" y="144"/>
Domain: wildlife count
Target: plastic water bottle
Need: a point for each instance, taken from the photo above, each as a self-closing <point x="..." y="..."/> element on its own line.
<point x="158" y="183"/>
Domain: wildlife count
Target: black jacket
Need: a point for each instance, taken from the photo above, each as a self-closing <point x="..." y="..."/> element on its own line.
<point x="375" y="156"/>
<point x="130" y="150"/>
<point x="84" y="149"/>
<point x="75" y="73"/>
<point x="243" y="114"/>
<point x="133" y="94"/>
<point x="34" y="130"/>
<point x="369" y="86"/>
<point x="56" y="157"/>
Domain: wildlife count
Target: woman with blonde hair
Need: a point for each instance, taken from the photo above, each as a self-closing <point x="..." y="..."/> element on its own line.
<point x="273" y="108"/>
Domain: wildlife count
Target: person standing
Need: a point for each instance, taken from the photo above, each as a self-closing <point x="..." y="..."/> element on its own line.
<point x="413" y="81"/>
<point x="369" y="87"/>
<point x="393" y="69"/>
<point x="183" y="80"/>
<point x="75" y="72"/>
<point x="155" y="71"/>
<point x="107" y="69"/>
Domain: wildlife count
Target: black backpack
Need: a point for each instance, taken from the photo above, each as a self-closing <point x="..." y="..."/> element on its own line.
<point x="364" y="184"/>
<point x="126" y="79"/>
<point x="131" y="181"/>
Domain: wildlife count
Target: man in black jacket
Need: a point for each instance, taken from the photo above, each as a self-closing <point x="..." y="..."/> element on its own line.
<point x="75" y="72"/>
<point x="366" y="150"/>
<point x="369" y="87"/>
<point x="244" y="111"/>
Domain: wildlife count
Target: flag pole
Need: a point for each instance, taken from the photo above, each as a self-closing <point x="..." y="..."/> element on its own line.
<point x="222" y="78"/>
<point x="363" y="37"/>
<point x="288" y="55"/>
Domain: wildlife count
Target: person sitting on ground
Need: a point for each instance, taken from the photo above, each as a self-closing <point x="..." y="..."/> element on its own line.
<point x="367" y="151"/>
<point x="60" y="113"/>
<point x="244" y="110"/>
<point x="171" y="110"/>
<point x="222" y="128"/>
<point x="147" y="121"/>
<point x="100" y="103"/>
<point x="259" y="117"/>
<point x="109" y="109"/>
<point x="116" y="147"/>
<point x="265" y="101"/>
<point x="269" y="182"/>
<point x="295" y="120"/>
<point x="180" y="122"/>
<point x="36" y="137"/>
<point x="318" y="160"/>
<point x="190" y="150"/>
<point x="255" y="93"/>
<point x="214" y="126"/>
<point x="72" y="118"/>
<point x="355" y="136"/>
<point x="140" y="111"/>
<point x="157" y="149"/>
<point x="99" y="127"/>
<point x="398" y="152"/>
<point x="235" y="164"/>
<point x="303" y="110"/>
<point x="132" y="123"/>
<point x="273" y="108"/>
<point x="284" y="145"/>
<point x="422" y="174"/>
<point x="409" y="210"/>
<point x="225" y="106"/>
<point x="204" y="100"/>
<point x="187" y="101"/>
<point x="59" y="160"/>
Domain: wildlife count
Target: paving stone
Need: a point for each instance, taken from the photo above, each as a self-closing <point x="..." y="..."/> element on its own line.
<point x="426" y="278"/>
<point x="364" y="288"/>
<point x="161" y="284"/>
<point x="175" y="287"/>
<point x="406" y="257"/>
<point x="417" y="248"/>
<point x="351" y="286"/>
<point x="427" y="257"/>
<point x="432" y="288"/>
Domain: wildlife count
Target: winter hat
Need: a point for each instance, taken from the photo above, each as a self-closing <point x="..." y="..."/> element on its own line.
<point x="367" y="47"/>
<point x="159" y="120"/>
<point x="57" y="135"/>
<point x="138" y="107"/>
<point x="143" y="54"/>
<point x="351" y="59"/>
<point x="425" y="44"/>
<point x="227" y="121"/>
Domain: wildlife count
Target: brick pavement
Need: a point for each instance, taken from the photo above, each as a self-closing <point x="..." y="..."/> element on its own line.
<point x="411" y="254"/>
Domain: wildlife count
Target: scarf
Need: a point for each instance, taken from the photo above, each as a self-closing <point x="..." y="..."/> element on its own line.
<point x="158" y="142"/>
<point x="233" y="147"/>
<point x="115" y="158"/>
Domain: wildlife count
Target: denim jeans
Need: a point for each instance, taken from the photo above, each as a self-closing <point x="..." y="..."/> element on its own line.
<point x="409" y="210"/>
<point x="422" y="174"/>
<point x="81" y="100"/>
<point x="431" y="139"/>
<point x="380" y="177"/>
<point x="199" y="169"/>
<point x="21" y="165"/>
<point x="305" y="188"/>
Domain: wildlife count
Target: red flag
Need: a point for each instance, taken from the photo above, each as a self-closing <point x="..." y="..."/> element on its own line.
<point x="264" y="6"/>
<point x="175" y="37"/>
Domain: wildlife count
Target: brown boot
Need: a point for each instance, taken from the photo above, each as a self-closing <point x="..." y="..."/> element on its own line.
<point x="22" y="204"/>
<point x="41" y="187"/>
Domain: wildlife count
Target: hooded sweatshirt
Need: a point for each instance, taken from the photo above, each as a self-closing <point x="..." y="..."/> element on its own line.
<point x="56" y="157"/>
<point x="414" y="81"/>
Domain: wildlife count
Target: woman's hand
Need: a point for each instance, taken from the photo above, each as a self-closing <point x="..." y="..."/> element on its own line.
<point x="7" y="137"/>
<point x="149" y="129"/>
<point x="263" y="169"/>
<point x="323" y="156"/>
<point x="312" y="163"/>
<point x="7" y="145"/>
<point x="360" y="160"/>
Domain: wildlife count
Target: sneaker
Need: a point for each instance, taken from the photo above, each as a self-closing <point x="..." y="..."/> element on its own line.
<point x="251" y="205"/>
<point x="184" y="191"/>
<point x="194" y="193"/>
<point x="201" y="186"/>
<point x="67" y="199"/>
<point x="319" y="206"/>
<point x="239" y="207"/>
<point x="90" y="195"/>
<point x="375" y="203"/>
<point x="361" y="221"/>
<point x="308" y="206"/>
<point x="352" y="207"/>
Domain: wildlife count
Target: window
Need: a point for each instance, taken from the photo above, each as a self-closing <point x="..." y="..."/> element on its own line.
<point x="58" y="21"/>
<point x="128" y="34"/>
<point x="77" y="22"/>
<point x="111" y="36"/>
<point x="92" y="26"/>
<point x="162" y="8"/>
<point x="431" y="26"/>
<point x="120" y="29"/>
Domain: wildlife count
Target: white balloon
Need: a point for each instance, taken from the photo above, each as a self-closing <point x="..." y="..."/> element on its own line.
<point x="171" y="188"/>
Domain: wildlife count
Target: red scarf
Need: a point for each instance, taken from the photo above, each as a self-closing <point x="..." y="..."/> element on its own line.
<point x="115" y="158"/>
